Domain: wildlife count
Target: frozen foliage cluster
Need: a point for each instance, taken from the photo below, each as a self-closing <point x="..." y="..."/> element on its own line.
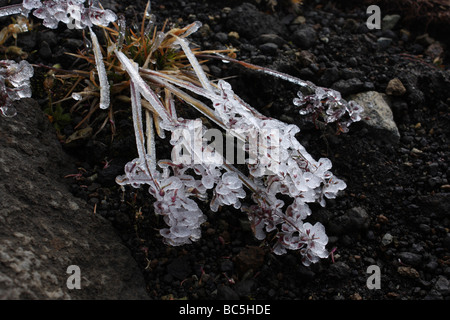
<point x="14" y="84"/>
<point x="328" y="104"/>
<point x="278" y="168"/>
<point x="73" y="12"/>
<point x="289" y="170"/>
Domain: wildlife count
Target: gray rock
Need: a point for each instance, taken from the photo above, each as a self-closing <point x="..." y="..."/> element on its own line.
<point x="350" y="86"/>
<point x="44" y="229"/>
<point x="442" y="285"/>
<point x="339" y="270"/>
<point x="395" y="88"/>
<point x="378" y="114"/>
<point x="384" y="42"/>
<point x="304" y="37"/>
<point x="269" y="48"/>
<point x="48" y="36"/>
<point x="438" y="203"/>
<point x="329" y="76"/>
<point x="249" y="22"/>
<point x="433" y="295"/>
<point x="410" y="258"/>
<point x="226" y="293"/>
<point x="389" y="21"/>
<point x="74" y="44"/>
<point x="387" y="239"/>
<point x="354" y="220"/>
<point x="270" y="38"/>
<point x="221" y="37"/>
<point x="306" y="58"/>
<point x="45" y="52"/>
<point x="227" y="266"/>
<point x="425" y="40"/>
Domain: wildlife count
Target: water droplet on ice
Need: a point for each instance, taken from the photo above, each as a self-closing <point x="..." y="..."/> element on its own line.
<point x="76" y="96"/>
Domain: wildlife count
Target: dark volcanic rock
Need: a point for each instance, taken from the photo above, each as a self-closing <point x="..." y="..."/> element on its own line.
<point x="304" y="37"/>
<point x="249" y="22"/>
<point x="44" y="229"/>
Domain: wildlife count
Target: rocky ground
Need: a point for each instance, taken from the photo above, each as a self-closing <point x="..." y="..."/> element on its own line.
<point x="394" y="213"/>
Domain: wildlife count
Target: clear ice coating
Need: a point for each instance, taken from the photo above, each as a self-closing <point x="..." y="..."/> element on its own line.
<point x="74" y="13"/>
<point x="148" y="10"/>
<point x="31" y="4"/>
<point x="122" y="29"/>
<point x="329" y="105"/>
<point x="159" y="38"/>
<point x="11" y="10"/>
<point x="76" y="96"/>
<point x="192" y="28"/>
<point x="14" y="84"/>
<point x="102" y="76"/>
<point x="150" y="24"/>
<point x="20" y="74"/>
<point x="195" y="64"/>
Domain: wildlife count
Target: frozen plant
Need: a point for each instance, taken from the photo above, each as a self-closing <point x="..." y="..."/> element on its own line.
<point x="14" y="84"/>
<point x="169" y="73"/>
<point x="74" y="14"/>
<point x="328" y="104"/>
<point x="282" y="166"/>
<point x="321" y="103"/>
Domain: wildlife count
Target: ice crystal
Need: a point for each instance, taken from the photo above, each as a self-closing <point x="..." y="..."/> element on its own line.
<point x="10" y="10"/>
<point x="103" y="78"/>
<point x="14" y="84"/>
<point x="73" y="13"/>
<point x="329" y="105"/>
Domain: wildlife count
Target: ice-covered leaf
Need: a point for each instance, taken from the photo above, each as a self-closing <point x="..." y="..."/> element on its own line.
<point x="102" y="76"/>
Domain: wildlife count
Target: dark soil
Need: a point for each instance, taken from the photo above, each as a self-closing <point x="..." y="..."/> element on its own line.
<point x="395" y="211"/>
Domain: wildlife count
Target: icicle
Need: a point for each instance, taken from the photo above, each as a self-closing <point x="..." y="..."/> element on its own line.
<point x="193" y="27"/>
<point x="11" y="10"/>
<point x="151" y="147"/>
<point x="149" y="9"/>
<point x="103" y="78"/>
<point x="289" y="78"/>
<point x="76" y="96"/>
<point x="195" y="64"/>
<point x="151" y="17"/>
<point x="122" y="30"/>
<point x="145" y="90"/>
<point x="170" y="103"/>
<point x="150" y="25"/>
<point x="136" y="108"/>
<point x="159" y="38"/>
